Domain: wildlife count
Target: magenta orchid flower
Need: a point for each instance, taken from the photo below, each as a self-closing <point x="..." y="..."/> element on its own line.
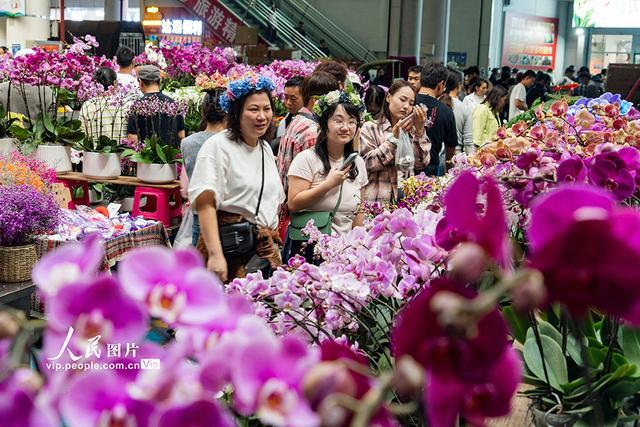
<point x="464" y="221"/>
<point x="19" y="405"/>
<point x="267" y="376"/>
<point x="609" y="170"/>
<point x="71" y="263"/>
<point x="587" y="250"/>
<point x="174" y="285"/>
<point x="417" y="333"/>
<point x="82" y="312"/>
<point x="101" y="398"/>
<point x="202" y="413"/>
<point x="446" y="397"/>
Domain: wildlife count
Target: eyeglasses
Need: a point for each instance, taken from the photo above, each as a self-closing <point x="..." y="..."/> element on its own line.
<point x="339" y="122"/>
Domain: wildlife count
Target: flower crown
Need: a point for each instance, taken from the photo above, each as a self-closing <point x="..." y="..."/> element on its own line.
<point x="335" y="97"/>
<point x="239" y="88"/>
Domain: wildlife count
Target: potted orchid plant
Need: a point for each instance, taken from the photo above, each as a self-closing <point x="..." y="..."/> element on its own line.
<point x="156" y="162"/>
<point x="48" y="131"/>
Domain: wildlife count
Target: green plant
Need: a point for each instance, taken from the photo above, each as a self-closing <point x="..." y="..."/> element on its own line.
<point x="102" y="144"/>
<point x="45" y="130"/>
<point x="6" y="121"/>
<point x="154" y="152"/>
<point x="586" y="368"/>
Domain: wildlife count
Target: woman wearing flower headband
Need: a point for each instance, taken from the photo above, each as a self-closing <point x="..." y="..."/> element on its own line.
<point x="235" y="188"/>
<point x="317" y="181"/>
<point x="379" y="140"/>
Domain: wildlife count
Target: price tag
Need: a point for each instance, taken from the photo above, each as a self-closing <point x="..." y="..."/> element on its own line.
<point x="62" y="195"/>
<point x="113" y="209"/>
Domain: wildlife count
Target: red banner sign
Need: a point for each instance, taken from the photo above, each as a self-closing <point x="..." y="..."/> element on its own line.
<point x="222" y="23"/>
<point x="529" y="41"/>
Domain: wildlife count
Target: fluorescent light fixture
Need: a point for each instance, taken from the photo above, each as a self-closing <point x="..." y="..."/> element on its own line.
<point x="152" y="9"/>
<point x="579" y="31"/>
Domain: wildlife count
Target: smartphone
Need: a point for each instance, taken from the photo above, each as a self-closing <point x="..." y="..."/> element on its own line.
<point x="350" y="160"/>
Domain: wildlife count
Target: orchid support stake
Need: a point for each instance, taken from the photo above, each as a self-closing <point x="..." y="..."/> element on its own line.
<point x="584" y="353"/>
<point x="613" y="334"/>
<point x="536" y="333"/>
<point x="372" y="401"/>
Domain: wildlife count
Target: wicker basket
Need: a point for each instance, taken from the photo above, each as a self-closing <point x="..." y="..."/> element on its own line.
<point x="16" y="263"/>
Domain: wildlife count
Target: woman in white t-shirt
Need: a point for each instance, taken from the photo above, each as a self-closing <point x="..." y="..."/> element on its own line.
<point x="315" y="178"/>
<point x="478" y="93"/>
<point x="235" y="175"/>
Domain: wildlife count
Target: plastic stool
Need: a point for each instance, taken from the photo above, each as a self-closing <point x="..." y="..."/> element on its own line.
<point x="162" y="204"/>
<point x="72" y="185"/>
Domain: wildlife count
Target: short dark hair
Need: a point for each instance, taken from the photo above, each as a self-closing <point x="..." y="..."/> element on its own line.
<point x="105" y="76"/>
<point x="415" y="69"/>
<point x="335" y="68"/>
<point x="211" y="110"/>
<point x="432" y="74"/>
<point x="235" y="113"/>
<point x="124" y="56"/>
<point x="493" y="97"/>
<point x="472" y="70"/>
<point x="317" y="84"/>
<point x="529" y="74"/>
<point x="295" y="81"/>
<point x="321" y="143"/>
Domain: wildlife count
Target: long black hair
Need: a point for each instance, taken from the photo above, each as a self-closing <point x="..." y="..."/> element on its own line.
<point x="321" y="148"/>
<point x="211" y="110"/>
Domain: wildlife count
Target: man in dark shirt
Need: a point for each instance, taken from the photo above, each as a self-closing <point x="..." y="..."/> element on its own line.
<point x="441" y="124"/>
<point x="169" y="128"/>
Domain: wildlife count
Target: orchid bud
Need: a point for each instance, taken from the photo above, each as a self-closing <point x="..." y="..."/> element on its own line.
<point x="530" y="292"/>
<point x="468" y="262"/>
<point x="327" y="378"/>
<point x="408" y="377"/>
<point x="9" y="324"/>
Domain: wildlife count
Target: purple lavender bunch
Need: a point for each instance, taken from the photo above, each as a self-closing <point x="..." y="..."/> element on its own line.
<point x="24" y="213"/>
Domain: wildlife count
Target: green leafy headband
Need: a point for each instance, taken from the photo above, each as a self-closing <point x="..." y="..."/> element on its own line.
<point x="335" y="97"/>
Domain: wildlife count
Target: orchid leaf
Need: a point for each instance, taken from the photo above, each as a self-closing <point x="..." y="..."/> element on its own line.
<point x="554" y="360"/>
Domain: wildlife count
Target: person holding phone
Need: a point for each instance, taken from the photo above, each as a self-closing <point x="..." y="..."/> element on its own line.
<point x="317" y="178"/>
<point x="379" y="140"/>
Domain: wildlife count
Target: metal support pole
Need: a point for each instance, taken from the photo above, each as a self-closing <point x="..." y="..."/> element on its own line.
<point x="418" y="37"/>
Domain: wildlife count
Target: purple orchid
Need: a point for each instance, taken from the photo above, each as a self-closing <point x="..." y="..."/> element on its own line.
<point x="463" y="221"/>
<point x="19" y="403"/>
<point x="610" y="171"/>
<point x="71" y="263"/>
<point x="202" y="413"/>
<point x="267" y="377"/>
<point x="572" y="170"/>
<point x="446" y="397"/>
<point x="417" y="333"/>
<point x="174" y="285"/>
<point x="98" y="398"/>
<point x="98" y="308"/>
<point x="587" y="250"/>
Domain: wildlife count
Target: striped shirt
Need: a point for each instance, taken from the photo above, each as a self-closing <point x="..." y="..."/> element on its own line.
<point x="379" y="155"/>
<point x="301" y="134"/>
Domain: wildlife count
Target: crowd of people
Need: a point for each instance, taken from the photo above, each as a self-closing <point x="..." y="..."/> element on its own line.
<point x="253" y="187"/>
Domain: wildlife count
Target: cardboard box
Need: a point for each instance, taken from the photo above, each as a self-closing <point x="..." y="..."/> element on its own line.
<point x="257" y="51"/>
<point x="256" y="60"/>
<point x="284" y="54"/>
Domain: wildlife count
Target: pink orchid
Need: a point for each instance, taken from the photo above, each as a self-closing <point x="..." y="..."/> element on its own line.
<point x="559" y="108"/>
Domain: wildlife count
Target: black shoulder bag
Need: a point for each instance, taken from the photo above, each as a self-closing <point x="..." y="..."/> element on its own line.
<point x="239" y="239"/>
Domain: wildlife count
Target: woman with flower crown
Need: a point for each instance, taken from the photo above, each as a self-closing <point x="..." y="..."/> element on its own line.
<point x="317" y="181"/>
<point x="235" y="185"/>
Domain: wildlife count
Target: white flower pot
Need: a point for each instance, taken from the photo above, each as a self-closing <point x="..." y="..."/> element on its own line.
<point x="7" y="145"/>
<point x="156" y="173"/>
<point x="57" y="157"/>
<point x="100" y="165"/>
<point x="127" y="204"/>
